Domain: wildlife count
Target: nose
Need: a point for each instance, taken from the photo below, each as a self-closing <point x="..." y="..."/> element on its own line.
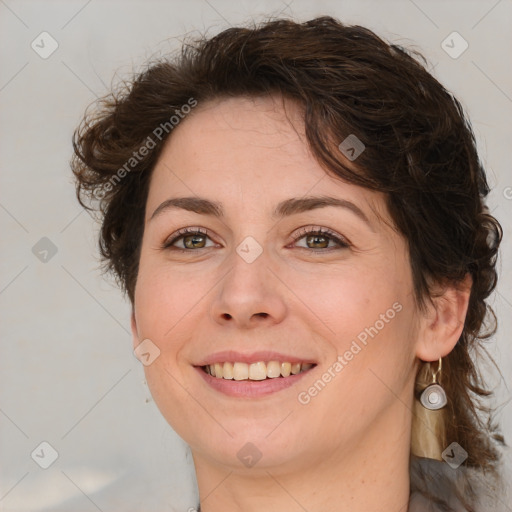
<point x="249" y="295"/>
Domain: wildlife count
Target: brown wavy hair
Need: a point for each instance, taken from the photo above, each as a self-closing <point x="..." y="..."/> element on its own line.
<point x="420" y="151"/>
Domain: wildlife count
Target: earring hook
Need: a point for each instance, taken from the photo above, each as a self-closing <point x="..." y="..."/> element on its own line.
<point x="439" y="368"/>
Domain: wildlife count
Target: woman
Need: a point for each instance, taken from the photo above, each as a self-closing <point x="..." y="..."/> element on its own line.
<point x="296" y="213"/>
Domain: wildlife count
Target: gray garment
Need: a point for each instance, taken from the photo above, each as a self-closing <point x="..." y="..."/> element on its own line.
<point x="437" y="487"/>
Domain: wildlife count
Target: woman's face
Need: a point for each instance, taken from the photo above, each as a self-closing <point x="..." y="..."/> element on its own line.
<point x="253" y="286"/>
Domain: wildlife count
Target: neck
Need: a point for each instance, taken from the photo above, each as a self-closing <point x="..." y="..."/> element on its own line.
<point x="369" y="476"/>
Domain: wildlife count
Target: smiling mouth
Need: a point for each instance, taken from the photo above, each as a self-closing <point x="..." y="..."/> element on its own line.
<point x="255" y="371"/>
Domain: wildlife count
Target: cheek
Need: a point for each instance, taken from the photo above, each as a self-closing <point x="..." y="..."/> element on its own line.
<point x="168" y="305"/>
<point x="367" y="316"/>
<point x="368" y="376"/>
<point x="353" y="302"/>
<point x="162" y="302"/>
<point x="166" y="301"/>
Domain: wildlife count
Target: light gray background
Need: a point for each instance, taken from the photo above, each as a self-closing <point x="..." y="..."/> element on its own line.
<point x="67" y="372"/>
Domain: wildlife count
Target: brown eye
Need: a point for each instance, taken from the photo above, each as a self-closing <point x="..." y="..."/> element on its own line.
<point x="319" y="239"/>
<point x="187" y="239"/>
<point x="194" y="241"/>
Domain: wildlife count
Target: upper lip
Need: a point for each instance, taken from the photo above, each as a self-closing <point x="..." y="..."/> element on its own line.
<point x="253" y="357"/>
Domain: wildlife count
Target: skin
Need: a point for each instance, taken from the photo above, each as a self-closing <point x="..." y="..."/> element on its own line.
<point x="348" y="448"/>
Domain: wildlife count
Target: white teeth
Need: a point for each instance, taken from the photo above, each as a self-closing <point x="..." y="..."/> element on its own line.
<point x="273" y="369"/>
<point x="286" y="369"/>
<point x="255" y="371"/>
<point x="227" y="371"/>
<point x="240" y="371"/>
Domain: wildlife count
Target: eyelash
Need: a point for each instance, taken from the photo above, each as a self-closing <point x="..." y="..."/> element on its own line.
<point x="342" y="242"/>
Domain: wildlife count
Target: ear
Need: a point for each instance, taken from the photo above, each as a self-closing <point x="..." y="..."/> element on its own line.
<point x="442" y="324"/>
<point x="135" y="334"/>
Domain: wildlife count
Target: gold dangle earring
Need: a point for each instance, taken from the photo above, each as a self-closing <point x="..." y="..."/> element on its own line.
<point x="428" y="435"/>
<point x="433" y="397"/>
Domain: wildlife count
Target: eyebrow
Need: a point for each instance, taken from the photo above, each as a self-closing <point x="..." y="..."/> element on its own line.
<point x="285" y="208"/>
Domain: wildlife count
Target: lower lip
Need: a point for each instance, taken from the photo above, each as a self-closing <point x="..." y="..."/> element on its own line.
<point x="250" y="388"/>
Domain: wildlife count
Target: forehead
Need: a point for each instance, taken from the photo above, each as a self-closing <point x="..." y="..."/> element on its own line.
<point x="256" y="126"/>
<point x="248" y="151"/>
